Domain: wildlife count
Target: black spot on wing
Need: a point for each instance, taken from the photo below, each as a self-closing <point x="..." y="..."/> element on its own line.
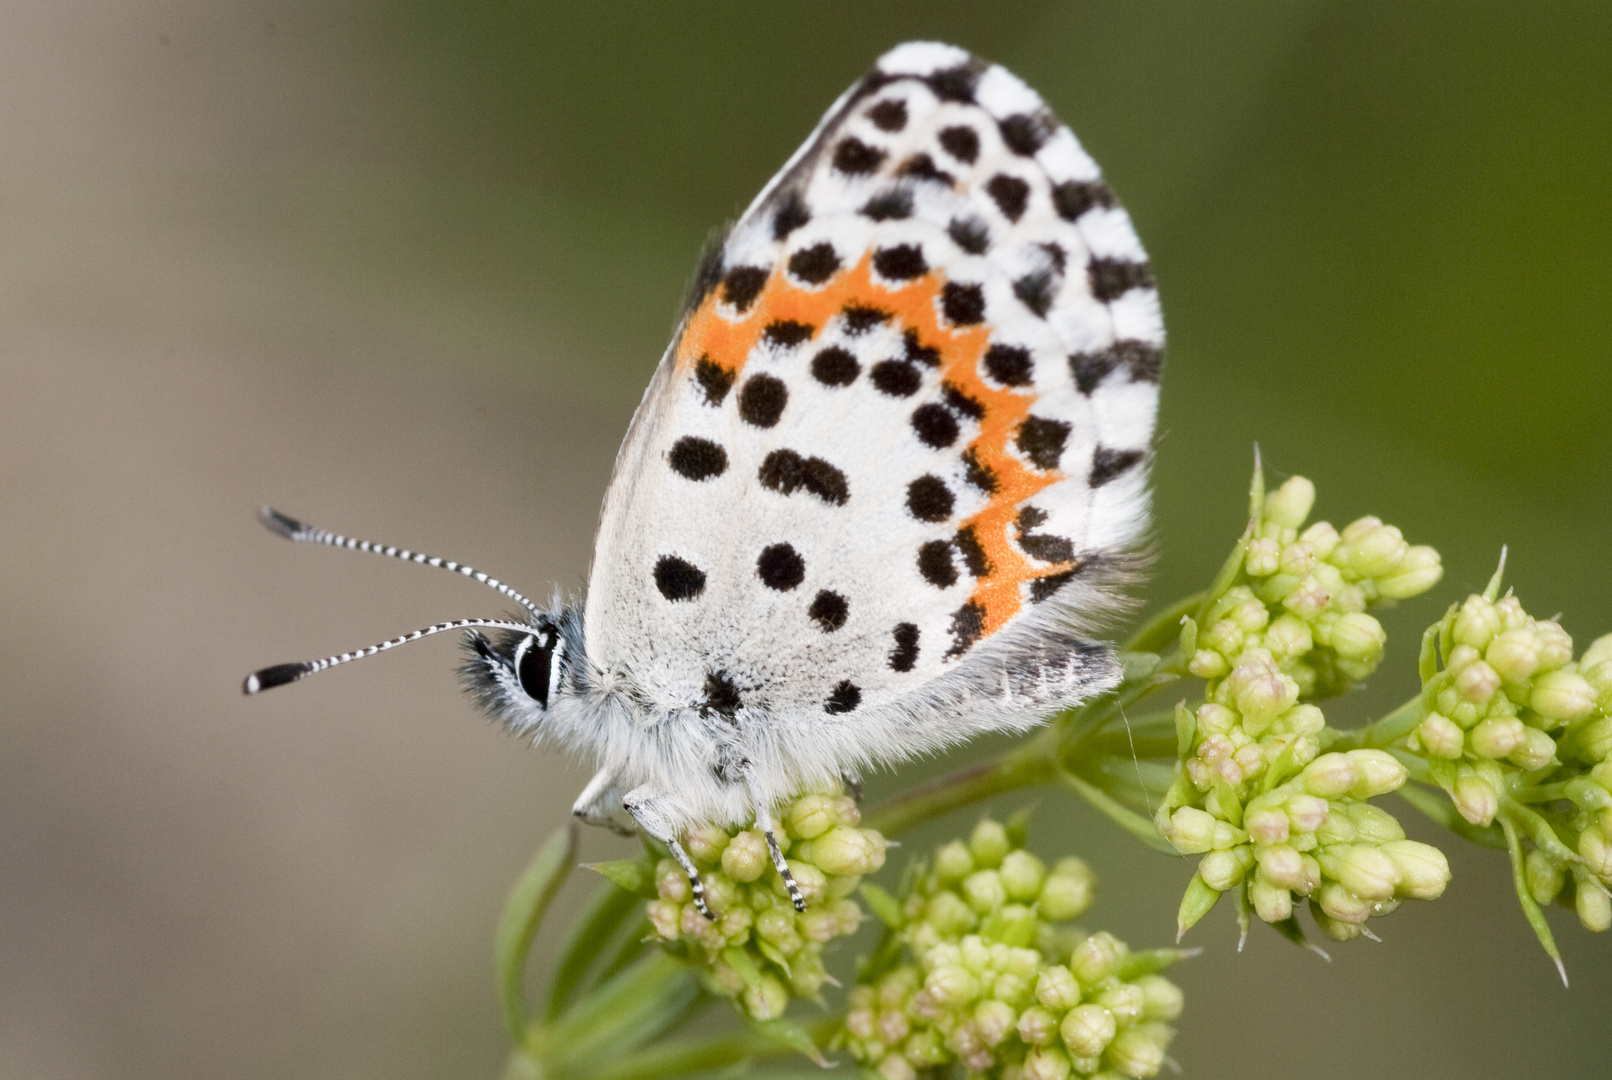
<point x="742" y="284"/>
<point x="892" y="204"/>
<point x="929" y="499"/>
<point x="961" y="403"/>
<point x="696" y="458"/>
<point x="935" y="426"/>
<point x="919" y="353"/>
<point x="787" y="472"/>
<point x="1035" y="291"/>
<point x="855" y="157"/>
<point x="904" y="657"/>
<point x="714" y="379"/>
<point x="1025" y="133"/>
<point x="900" y="263"/>
<point x="1145" y="363"/>
<point x="962" y="143"/>
<point x="678" y="579"/>
<point x="978" y="473"/>
<point x="859" y="319"/>
<point x="1106" y="464"/>
<point x="1113" y="278"/>
<point x="968" y="624"/>
<point x="1043" y="587"/>
<point x="780" y="567"/>
<point x="935" y="564"/>
<point x="762" y="399"/>
<point x="897" y="378"/>
<point x="963" y="304"/>
<point x="1009" y="365"/>
<point x="1042" y="441"/>
<point x="835" y="366"/>
<point x="923" y="167"/>
<point x="1010" y="194"/>
<point x="973" y="552"/>
<point x="1074" y="197"/>
<point x="787" y="333"/>
<point x="1042" y="546"/>
<point x="829" y="610"/>
<point x="790" y="215"/>
<point x="957" y="83"/>
<point x="814" y="265"/>
<point x="889" y="114"/>
<point x="845" y="697"/>
<point x="970" y="234"/>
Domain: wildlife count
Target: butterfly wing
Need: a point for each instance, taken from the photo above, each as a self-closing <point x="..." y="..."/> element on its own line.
<point x="896" y="452"/>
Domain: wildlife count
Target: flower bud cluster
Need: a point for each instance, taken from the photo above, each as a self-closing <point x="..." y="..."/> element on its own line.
<point x="758" y="950"/>
<point x="1305" y="594"/>
<point x="988" y="981"/>
<point x="1270" y="814"/>
<point x="1512" y="713"/>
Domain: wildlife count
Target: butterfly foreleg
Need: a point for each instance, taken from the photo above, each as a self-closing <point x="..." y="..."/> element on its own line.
<point x="647" y="807"/>
<point x="600" y="803"/>
<point x="764" y="824"/>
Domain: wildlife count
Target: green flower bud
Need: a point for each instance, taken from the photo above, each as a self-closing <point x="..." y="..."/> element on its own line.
<point x="1593" y="741"/>
<point x="1222" y="870"/>
<point x="1373" y="825"/>
<point x="1545" y="877"/>
<point x="984" y="891"/>
<point x="1365" y="871"/>
<point x="1271" y="902"/>
<point x="1309" y="597"/>
<point x="1562" y="696"/>
<point x="1537" y="750"/>
<point x="765" y="999"/>
<point x="1370" y="552"/>
<point x="1599" y="675"/>
<point x="1555" y="646"/>
<point x="1330" y="776"/>
<point x="896" y="1067"/>
<point x="1064" y="896"/>
<point x="705" y="843"/>
<point x="1290" y="504"/>
<point x="809" y="879"/>
<point x="1441" y="737"/>
<point x="1475" y="798"/>
<point x="1289" y="635"/>
<point x="1418" y="571"/>
<point x="846" y="851"/>
<point x="1514" y="654"/>
<point x="1477" y="622"/>
<point x="1163" y="999"/>
<point x="1095" y="958"/>
<point x="1321" y="538"/>
<point x="1057" y="989"/>
<point x="810" y="816"/>
<point x="1262" y="557"/>
<point x="1598" y="650"/>
<point x="1023" y="875"/>
<point x="1267" y="826"/>
<point x="1297" y="559"/>
<point x="1037" y="1026"/>
<point x="1125" y="1000"/>
<point x="1477" y="682"/>
<point x="1208" y="664"/>
<point x="1139" y="1051"/>
<point x="1306" y="812"/>
<point x="953" y="862"/>
<point x="1499" y="737"/>
<point x="1280" y="866"/>
<point x="1046" y="1063"/>
<point x="1338" y="902"/>
<point x="1596" y="852"/>
<point x="1088" y="1029"/>
<point x="1593" y="906"/>
<point x="744" y="859"/>
<point x="1190" y="830"/>
<point x="1260" y="689"/>
<point x="989" y="843"/>
<point x="1358" y="637"/>
<point x="949" y="914"/>
<point x="1379" y="771"/>
<point x="951" y="985"/>
<point x="1423" y="869"/>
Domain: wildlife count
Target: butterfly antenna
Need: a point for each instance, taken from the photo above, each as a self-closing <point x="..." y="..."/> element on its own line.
<point x="300" y="533"/>
<point x="280" y="674"/>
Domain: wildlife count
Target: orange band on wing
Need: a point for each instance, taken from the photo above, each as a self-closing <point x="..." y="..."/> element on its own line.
<point x="727" y="342"/>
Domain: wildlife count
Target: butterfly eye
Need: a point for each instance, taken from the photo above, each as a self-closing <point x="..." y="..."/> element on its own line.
<point x="536" y="665"/>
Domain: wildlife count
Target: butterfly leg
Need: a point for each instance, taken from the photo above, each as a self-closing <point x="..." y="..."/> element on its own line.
<point x="644" y="804"/>
<point x="764" y="823"/>
<point x="852" y="785"/>
<point x="600" y="803"/>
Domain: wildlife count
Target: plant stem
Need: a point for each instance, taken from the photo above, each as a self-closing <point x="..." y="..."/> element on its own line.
<point x="702" y="1054"/>
<point x="1025" y="766"/>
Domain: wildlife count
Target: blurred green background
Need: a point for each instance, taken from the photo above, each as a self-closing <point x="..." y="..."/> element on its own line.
<point x="404" y="269"/>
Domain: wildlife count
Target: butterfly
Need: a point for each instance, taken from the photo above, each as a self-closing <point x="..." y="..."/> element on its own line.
<point x="884" y="484"/>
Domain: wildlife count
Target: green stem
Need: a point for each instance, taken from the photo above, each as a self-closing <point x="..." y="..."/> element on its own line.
<point x="701" y="1054"/>
<point x="1025" y="766"/>
<point x="1385" y="731"/>
<point x="1438" y="808"/>
<point x="1162" y="630"/>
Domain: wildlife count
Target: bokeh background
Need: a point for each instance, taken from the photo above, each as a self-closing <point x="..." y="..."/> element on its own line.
<point x="403" y="268"/>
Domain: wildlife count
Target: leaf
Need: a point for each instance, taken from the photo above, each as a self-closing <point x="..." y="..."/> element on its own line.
<point x="528" y="901"/>
<point x="792" y="1035"/>
<point x="1018" y="826"/>
<point x="634" y="875"/>
<point x="885" y="906"/>
<point x="592" y="932"/>
<point x="1186" y="729"/>
<point x="1196" y="902"/>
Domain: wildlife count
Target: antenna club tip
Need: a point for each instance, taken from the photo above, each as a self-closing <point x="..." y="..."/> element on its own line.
<point x="270" y="677"/>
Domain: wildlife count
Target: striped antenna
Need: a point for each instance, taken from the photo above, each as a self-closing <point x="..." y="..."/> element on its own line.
<point x="300" y="533"/>
<point x="280" y="674"/>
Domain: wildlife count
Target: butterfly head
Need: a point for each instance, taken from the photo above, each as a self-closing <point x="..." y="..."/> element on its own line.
<point x="517" y="676"/>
